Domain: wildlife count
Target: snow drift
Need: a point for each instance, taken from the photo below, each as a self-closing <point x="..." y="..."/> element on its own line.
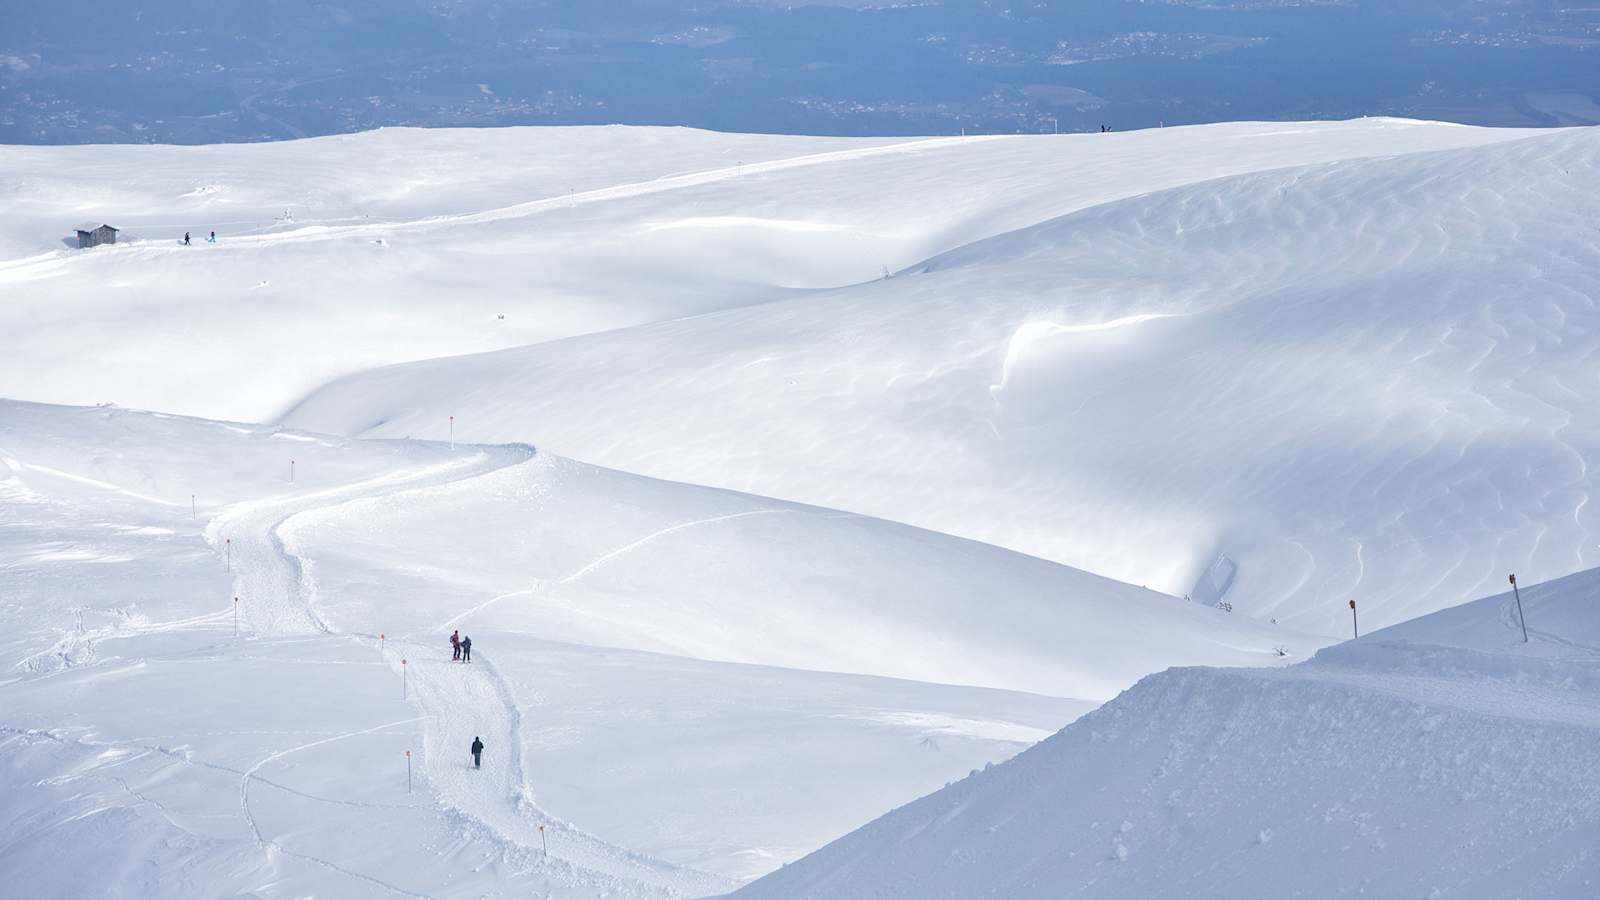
<point x="1273" y="367"/>
<point x="1362" y="380"/>
<point x="1441" y="758"/>
<point x="339" y="254"/>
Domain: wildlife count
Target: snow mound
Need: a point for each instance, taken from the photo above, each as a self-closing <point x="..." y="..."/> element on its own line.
<point x="1441" y="758"/>
<point x="584" y="555"/>
<point x="1283" y="390"/>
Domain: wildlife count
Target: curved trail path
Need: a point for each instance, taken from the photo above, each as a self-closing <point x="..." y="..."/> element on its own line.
<point x="455" y="702"/>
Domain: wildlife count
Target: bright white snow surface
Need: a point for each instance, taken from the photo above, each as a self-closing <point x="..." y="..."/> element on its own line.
<point x="684" y="686"/>
<point x="1276" y="365"/>
<point x="1300" y="353"/>
<point x="1358" y="379"/>
<point x="1440" y="758"/>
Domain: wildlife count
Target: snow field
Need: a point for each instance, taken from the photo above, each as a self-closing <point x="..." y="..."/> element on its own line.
<point x="273" y="762"/>
<point x="583" y="555"/>
<point x="1442" y="758"/>
<point x="1281" y="366"/>
<point x="397" y="254"/>
<point x="1351" y="380"/>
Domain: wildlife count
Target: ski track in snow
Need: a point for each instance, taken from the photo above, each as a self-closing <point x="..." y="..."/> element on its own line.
<point x="457" y="701"/>
<point x="602" y="560"/>
<point x="268" y="844"/>
<point x="610" y="555"/>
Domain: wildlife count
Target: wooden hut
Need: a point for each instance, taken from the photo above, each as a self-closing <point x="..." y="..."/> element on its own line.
<point x="95" y="235"/>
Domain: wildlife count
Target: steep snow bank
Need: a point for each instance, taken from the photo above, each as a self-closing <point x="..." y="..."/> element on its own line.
<point x="1442" y="758"/>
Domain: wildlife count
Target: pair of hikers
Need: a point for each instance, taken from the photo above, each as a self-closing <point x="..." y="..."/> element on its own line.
<point x="209" y="240"/>
<point x="462" y="647"/>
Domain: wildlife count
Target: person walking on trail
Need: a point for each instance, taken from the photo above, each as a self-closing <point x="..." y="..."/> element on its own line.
<point x="186" y="238"/>
<point x="466" y="649"/>
<point x="455" y="644"/>
<point x="213" y="238"/>
<point x="477" y="753"/>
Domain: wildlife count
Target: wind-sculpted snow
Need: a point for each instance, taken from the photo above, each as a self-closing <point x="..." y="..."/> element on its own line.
<point x="680" y="687"/>
<point x="1273" y="367"/>
<point x="339" y="254"/>
<point x="1358" y="380"/>
<point x="1442" y="758"/>
<point x="588" y="556"/>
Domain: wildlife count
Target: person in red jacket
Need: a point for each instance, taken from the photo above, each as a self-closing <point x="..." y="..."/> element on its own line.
<point x="455" y="644"/>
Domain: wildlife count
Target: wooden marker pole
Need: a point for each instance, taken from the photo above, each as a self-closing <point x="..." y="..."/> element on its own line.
<point x="1520" y="618"/>
<point x="1355" y="627"/>
<point x="403" y="690"/>
<point x="408" y="771"/>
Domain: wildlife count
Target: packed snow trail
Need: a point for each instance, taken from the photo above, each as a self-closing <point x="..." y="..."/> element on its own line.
<point x="269" y="582"/>
<point x="458" y="701"/>
<point x="468" y="700"/>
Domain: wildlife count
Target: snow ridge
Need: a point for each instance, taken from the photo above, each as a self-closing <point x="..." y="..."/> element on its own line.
<point x="1401" y="764"/>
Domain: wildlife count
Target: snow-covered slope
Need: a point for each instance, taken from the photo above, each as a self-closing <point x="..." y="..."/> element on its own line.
<point x="1274" y="365"/>
<point x="402" y="245"/>
<point x="1353" y="380"/>
<point x="1441" y="758"/>
<point x="584" y="555"/>
<point x="680" y="685"/>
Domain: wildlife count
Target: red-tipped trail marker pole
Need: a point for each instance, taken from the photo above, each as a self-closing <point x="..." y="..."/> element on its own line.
<point x="381" y="644"/>
<point x="194" y="511"/>
<point x="236" y="617"/>
<point x="545" y="843"/>
<point x="452" y="432"/>
<point x="291" y="471"/>
<point x="403" y="694"/>
<point x="408" y="771"/>
<point x="229" y="543"/>
<point x="1355" y="627"/>
<point x="1522" y="621"/>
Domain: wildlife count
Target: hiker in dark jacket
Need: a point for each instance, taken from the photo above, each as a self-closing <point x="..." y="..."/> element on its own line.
<point x="466" y="649"/>
<point x="477" y="753"/>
